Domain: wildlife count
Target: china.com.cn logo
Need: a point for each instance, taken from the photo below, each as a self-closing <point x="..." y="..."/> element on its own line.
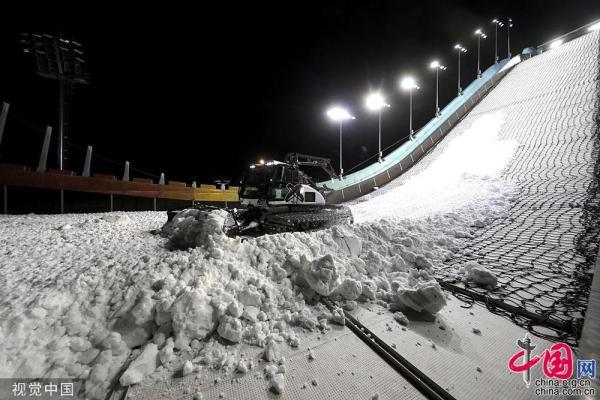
<point x="557" y="361"/>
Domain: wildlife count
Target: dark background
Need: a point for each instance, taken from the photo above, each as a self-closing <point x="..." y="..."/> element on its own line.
<point x="200" y="91"/>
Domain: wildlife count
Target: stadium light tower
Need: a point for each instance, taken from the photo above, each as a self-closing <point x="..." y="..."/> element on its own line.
<point x="497" y="24"/>
<point x="376" y="102"/>
<point x="437" y="66"/>
<point x="61" y="60"/>
<point x="409" y="83"/>
<point x="509" y="25"/>
<point x="459" y="49"/>
<point x="339" y="114"/>
<point x="480" y="35"/>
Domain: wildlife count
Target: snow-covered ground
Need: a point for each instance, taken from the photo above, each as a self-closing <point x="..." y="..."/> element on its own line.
<point x="83" y="295"/>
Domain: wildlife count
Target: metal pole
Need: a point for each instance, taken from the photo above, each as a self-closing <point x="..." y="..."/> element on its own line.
<point x="380" y="154"/>
<point x="61" y="121"/>
<point x="154" y="200"/>
<point x="3" y="115"/>
<point x="478" y="56"/>
<point x="42" y="164"/>
<point x="5" y="199"/>
<point x="509" y="23"/>
<point x="437" y="84"/>
<point x="459" y="88"/>
<point x="111" y="202"/>
<point x="410" y="118"/>
<point x="341" y="168"/>
<point x="496" y="43"/>
<point x="126" y="172"/>
<point x="87" y="163"/>
<point x="62" y="201"/>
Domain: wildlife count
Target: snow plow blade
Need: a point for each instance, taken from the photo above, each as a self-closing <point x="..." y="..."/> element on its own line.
<point x="287" y="218"/>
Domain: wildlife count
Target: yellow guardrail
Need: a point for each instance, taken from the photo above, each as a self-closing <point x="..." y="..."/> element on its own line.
<point x="209" y="193"/>
<point x="20" y="176"/>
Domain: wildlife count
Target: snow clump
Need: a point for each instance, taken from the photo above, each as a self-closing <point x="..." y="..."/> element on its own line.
<point x="480" y="275"/>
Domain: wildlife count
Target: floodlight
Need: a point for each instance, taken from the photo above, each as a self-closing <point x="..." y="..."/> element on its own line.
<point x="339" y="114"/>
<point x="375" y="102"/>
<point x="436" y="65"/>
<point x="409" y="83"/>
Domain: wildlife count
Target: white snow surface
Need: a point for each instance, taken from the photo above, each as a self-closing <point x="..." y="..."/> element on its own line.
<point x="479" y="274"/>
<point x="511" y="63"/>
<point x="84" y="293"/>
<point x="466" y="175"/>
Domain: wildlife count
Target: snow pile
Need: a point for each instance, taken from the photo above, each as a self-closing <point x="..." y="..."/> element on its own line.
<point x="321" y="275"/>
<point x="194" y="228"/>
<point x="192" y="315"/>
<point x="425" y="295"/>
<point x="143" y="365"/>
<point x="114" y="219"/>
<point x="277" y="383"/>
<point x="81" y="302"/>
<point x="86" y="294"/>
<point x="479" y="274"/>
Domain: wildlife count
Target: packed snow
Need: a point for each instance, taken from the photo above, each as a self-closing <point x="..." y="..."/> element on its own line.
<point x="465" y="176"/>
<point x="100" y="297"/>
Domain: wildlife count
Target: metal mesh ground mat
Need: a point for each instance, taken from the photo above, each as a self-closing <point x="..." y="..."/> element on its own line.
<point x="543" y="252"/>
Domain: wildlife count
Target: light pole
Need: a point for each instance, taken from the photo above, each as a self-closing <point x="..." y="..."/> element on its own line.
<point x="376" y="102"/>
<point x="64" y="61"/>
<point x="508" y="26"/>
<point x="459" y="50"/>
<point x="340" y="115"/>
<point x="497" y="24"/>
<point x="437" y="66"/>
<point x="409" y="84"/>
<point x="480" y="35"/>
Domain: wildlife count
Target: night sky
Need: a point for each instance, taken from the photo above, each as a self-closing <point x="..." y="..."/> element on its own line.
<point x="199" y="92"/>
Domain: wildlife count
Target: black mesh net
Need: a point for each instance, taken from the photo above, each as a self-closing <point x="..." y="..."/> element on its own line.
<point x="543" y="254"/>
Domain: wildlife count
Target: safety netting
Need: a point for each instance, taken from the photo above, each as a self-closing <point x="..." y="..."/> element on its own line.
<point x="544" y="252"/>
